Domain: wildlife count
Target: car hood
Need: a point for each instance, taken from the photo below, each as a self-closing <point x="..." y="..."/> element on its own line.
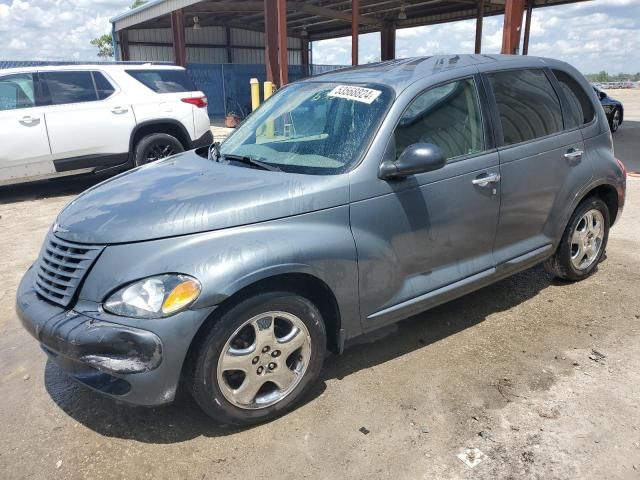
<point x="187" y="194"/>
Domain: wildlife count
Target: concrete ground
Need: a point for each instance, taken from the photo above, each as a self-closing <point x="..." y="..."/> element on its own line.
<point x="542" y="377"/>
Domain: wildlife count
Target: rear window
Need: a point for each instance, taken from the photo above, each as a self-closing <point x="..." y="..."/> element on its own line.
<point x="164" y="81"/>
<point x="527" y="103"/>
<point x="69" y="87"/>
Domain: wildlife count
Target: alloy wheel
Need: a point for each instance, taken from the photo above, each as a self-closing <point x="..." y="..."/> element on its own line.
<point x="615" y="122"/>
<point x="264" y="360"/>
<point x="587" y="238"/>
<point x="158" y="152"/>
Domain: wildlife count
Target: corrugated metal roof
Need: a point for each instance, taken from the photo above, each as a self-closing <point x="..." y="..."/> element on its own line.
<point x="149" y="11"/>
<point x="315" y="19"/>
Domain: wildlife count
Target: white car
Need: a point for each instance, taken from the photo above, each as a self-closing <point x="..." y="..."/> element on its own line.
<point x="64" y="120"/>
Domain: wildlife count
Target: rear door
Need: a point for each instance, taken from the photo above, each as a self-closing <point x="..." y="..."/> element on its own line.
<point x="541" y="160"/>
<point x="89" y="122"/>
<point x="24" y="146"/>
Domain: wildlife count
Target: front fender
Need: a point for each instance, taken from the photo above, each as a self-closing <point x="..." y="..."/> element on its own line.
<point x="226" y="261"/>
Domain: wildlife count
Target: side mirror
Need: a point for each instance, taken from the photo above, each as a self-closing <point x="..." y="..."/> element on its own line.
<point x="602" y="95"/>
<point x="416" y="158"/>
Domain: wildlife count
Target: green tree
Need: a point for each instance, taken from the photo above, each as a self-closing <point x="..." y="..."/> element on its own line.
<point x="104" y="44"/>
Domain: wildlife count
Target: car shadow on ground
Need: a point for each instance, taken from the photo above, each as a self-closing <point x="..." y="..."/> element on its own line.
<point x="56" y="187"/>
<point x="183" y="420"/>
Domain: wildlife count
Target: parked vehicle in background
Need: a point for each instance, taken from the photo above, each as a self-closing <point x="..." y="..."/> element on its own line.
<point x="345" y="203"/>
<point x="612" y="107"/>
<point x="64" y="120"/>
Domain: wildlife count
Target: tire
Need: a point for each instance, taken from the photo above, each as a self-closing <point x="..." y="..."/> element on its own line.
<point x="565" y="263"/>
<point x="156" y="146"/>
<point x="268" y="359"/>
<point x="614" y="123"/>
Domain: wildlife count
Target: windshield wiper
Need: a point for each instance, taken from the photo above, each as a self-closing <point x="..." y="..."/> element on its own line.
<point x="250" y="161"/>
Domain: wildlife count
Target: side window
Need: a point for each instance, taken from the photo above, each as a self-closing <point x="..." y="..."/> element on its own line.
<point x="70" y="87"/>
<point x="580" y="107"/>
<point x="527" y="103"/>
<point x="103" y="86"/>
<point x="16" y="91"/>
<point x="447" y="116"/>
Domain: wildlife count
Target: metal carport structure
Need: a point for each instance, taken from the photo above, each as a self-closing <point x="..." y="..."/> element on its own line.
<point x="286" y="27"/>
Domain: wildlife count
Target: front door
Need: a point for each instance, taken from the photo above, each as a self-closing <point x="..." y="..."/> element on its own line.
<point x="24" y="147"/>
<point x="434" y="231"/>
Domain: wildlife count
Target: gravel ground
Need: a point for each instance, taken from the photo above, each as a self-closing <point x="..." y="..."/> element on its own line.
<point x="542" y="377"/>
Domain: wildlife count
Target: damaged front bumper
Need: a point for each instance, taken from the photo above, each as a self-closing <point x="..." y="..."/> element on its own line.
<point x="110" y="354"/>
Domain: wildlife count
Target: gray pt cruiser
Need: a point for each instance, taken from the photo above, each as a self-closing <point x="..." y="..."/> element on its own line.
<point x="345" y="203"/>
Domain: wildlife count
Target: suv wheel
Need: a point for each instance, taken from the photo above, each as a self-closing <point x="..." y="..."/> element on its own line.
<point x="583" y="242"/>
<point x="259" y="359"/>
<point x="155" y="147"/>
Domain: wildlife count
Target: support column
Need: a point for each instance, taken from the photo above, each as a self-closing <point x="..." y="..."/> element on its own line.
<point x="283" y="46"/>
<point x="271" y="41"/>
<point x="388" y="42"/>
<point x="227" y="34"/>
<point x="513" y="11"/>
<point x="305" y="56"/>
<point x="479" y="20"/>
<point x="124" y="45"/>
<point x="179" y="45"/>
<point x="527" y="28"/>
<point x="355" y="28"/>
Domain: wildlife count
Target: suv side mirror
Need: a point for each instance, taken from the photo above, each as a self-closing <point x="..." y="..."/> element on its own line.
<point x="416" y="158"/>
<point x="602" y="95"/>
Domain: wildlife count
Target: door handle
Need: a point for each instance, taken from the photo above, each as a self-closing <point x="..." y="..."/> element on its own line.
<point x="119" y="110"/>
<point x="484" y="180"/>
<point x="29" y="120"/>
<point x="574" y="154"/>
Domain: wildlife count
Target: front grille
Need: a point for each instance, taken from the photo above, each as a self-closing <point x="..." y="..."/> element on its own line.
<point x="61" y="267"/>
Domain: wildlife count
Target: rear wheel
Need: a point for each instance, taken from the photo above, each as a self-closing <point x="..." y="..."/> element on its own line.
<point x="615" y="120"/>
<point x="156" y="146"/>
<point x="583" y="242"/>
<point x="259" y="359"/>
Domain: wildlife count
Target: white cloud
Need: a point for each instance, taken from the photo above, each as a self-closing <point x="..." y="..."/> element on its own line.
<point x="593" y="36"/>
<point x="54" y="29"/>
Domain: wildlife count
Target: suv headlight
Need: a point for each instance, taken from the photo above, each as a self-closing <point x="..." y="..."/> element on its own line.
<point x="154" y="297"/>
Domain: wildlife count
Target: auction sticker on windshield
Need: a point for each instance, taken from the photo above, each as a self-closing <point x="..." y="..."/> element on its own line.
<point x="359" y="94"/>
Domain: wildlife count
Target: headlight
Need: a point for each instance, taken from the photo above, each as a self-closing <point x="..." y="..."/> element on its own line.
<point x="154" y="297"/>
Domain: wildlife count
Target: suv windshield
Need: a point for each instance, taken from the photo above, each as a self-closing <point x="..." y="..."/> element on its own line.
<point x="312" y="128"/>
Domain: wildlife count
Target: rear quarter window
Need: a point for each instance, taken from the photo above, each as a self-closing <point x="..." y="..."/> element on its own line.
<point x="579" y="104"/>
<point x="164" y="81"/>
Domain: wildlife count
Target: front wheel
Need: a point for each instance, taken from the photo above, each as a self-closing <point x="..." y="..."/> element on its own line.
<point x="156" y="147"/>
<point x="259" y="359"/>
<point x="583" y="242"/>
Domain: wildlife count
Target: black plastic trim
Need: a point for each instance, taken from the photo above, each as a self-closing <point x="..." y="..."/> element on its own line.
<point x="91" y="161"/>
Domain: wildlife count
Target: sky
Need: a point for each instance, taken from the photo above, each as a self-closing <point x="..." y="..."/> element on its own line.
<point x="593" y="36"/>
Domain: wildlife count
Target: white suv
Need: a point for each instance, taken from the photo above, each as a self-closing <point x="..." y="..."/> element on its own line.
<point x="65" y="120"/>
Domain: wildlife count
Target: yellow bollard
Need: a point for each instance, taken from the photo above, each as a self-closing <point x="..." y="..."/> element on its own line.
<point x="268" y="91"/>
<point x="255" y="93"/>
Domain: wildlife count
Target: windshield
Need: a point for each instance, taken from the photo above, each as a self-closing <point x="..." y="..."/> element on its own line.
<point x="312" y="128"/>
